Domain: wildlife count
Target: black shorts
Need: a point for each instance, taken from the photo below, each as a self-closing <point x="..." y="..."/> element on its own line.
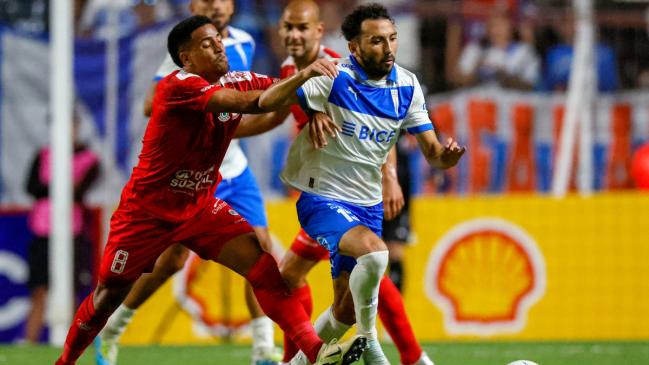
<point x="39" y="265"/>
<point x="398" y="229"/>
<point x="38" y="260"/>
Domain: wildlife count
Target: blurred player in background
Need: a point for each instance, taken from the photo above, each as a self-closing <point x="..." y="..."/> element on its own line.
<point x="396" y="228"/>
<point x="301" y="30"/>
<point x="170" y="195"/>
<point x="369" y="101"/>
<point x="238" y="188"/>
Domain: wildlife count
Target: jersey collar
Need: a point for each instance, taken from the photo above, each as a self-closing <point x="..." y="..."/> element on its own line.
<point x="392" y="76"/>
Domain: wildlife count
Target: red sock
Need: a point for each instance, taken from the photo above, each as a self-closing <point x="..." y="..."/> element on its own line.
<point x="282" y="306"/>
<point x="85" y="327"/>
<point x="393" y="316"/>
<point x="303" y="294"/>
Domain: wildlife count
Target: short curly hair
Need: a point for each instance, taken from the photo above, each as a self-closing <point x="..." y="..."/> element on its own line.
<point x="351" y="27"/>
<point x="181" y="34"/>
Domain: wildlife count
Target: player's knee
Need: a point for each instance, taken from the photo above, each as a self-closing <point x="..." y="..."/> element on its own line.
<point x="292" y="278"/>
<point x="374" y="262"/>
<point x="264" y="240"/>
<point x="264" y="274"/>
<point x="370" y="244"/>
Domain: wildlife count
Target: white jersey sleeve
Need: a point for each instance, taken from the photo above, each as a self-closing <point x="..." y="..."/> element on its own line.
<point x="168" y="66"/>
<point x="417" y="119"/>
<point x="314" y="94"/>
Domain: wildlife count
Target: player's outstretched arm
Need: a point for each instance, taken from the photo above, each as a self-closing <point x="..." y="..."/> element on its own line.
<point x="233" y="101"/>
<point x="284" y="93"/>
<point x="252" y="125"/>
<point x="439" y="156"/>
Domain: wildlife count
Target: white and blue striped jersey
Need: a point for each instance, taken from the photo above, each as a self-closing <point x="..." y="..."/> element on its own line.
<point x="371" y="115"/>
<point x="239" y="47"/>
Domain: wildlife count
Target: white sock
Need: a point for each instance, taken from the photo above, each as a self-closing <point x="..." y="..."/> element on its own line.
<point x="327" y="328"/>
<point x="364" y="286"/>
<point x="263" y="333"/>
<point x="116" y="324"/>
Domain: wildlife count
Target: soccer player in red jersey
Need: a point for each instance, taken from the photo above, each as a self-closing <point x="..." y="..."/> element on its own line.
<point x="301" y="30"/>
<point x="239" y="189"/>
<point x="169" y="197"/>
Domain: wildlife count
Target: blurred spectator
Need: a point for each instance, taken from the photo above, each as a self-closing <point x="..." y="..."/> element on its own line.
<point x="260" y="19"/>
<point x="85" y="172"/>
<point x="30" y="16"/>
<point x="559" y="60"/>
<point x="498" y="59"/>
<point x="333" y="14"/>
<point x="133" y="15"/>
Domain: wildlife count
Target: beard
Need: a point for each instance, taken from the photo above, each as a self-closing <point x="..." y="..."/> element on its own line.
<point x="224" y="67"/>
<point x="377" y="69"/>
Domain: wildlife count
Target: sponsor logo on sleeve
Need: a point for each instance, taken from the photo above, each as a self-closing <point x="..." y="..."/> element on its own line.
<point x="207" y="88"/>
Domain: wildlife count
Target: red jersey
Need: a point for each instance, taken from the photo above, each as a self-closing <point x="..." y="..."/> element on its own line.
<point x="289" y="69"/>
<point x="183" y="146"/>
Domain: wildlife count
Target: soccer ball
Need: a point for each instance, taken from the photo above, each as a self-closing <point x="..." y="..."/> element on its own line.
<point x="523" y="362"/>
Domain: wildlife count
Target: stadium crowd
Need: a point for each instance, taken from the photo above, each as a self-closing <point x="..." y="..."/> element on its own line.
<point x="460" y="43"/>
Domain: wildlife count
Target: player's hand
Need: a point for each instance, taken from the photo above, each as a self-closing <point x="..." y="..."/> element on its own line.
<point x="451" y="153"/>
<point x="319" y="125"/>
<point x="393" y="200"/>
<point x="322" y="67"/>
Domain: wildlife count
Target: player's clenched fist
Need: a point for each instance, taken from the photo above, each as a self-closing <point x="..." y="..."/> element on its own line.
<point x="283" y="93"/>
<point x="451" y="153"/>
<point x="322" y="67"/>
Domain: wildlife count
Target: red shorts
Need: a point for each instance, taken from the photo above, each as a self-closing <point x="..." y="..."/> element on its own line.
<point x="308" y="248"/>
<point x="136" y="239"/>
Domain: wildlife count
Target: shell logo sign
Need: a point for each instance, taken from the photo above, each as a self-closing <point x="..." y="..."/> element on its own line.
<point x="485" y="274"/>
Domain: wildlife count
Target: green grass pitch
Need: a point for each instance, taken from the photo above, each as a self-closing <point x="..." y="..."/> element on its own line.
<point x="445" y="353"/>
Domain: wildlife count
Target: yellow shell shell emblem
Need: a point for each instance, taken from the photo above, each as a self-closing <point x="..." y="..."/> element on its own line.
<point x="485" y="274"/>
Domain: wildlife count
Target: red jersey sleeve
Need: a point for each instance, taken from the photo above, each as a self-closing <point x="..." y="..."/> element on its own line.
<point x="185" y="91"/>
<point x="246" y="81"/>
<point x="287" y="71"/>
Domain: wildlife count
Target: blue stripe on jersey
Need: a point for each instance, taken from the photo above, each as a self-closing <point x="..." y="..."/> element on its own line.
<point x="376" y="101"/>
<point x="420" y="128"/>
<point x="303" y="103"/>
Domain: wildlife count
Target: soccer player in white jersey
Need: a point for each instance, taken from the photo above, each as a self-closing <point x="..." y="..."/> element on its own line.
<point x="370" y="99"/>
<point x="238" y="188"/>
<point x="301" y="30"/>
